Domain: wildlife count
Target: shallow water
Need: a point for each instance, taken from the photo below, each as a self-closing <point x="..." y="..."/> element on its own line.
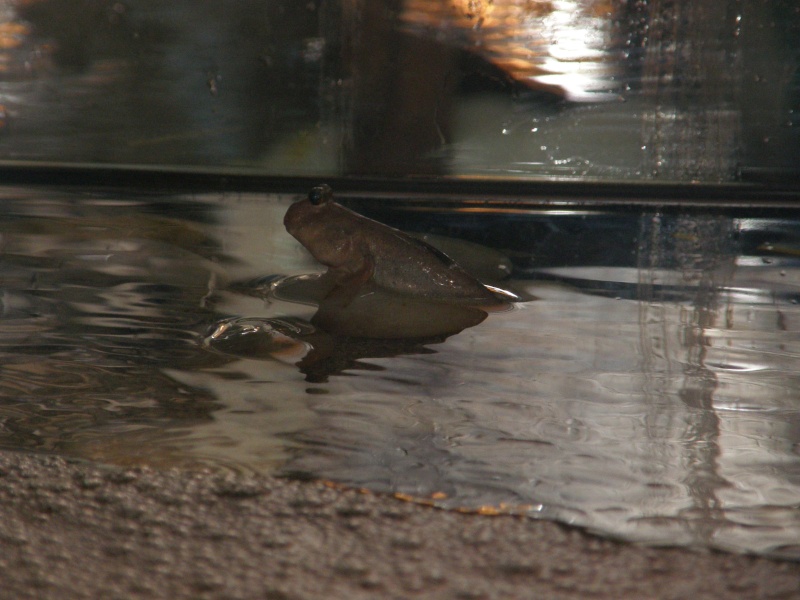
<point x="648" y="391"/>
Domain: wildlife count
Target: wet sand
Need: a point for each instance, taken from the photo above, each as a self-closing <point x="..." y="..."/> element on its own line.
<point x="71" y="530"/>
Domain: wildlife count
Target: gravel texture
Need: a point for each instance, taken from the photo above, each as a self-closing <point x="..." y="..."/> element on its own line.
<point x="71" y="530"/>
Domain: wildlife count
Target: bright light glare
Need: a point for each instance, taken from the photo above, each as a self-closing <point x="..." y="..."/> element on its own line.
<point x="561" y="46"/>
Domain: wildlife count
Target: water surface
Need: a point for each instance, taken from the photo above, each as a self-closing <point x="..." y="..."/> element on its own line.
<point x="646" y="388"/>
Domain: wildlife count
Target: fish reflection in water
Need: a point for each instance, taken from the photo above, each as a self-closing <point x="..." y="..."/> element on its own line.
<point x="316" y="353"/>
<point x="381" y="284"/>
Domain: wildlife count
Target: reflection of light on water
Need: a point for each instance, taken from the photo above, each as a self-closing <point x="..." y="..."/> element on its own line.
<point x="561" y="46"/>
<point x="738" y="367"/>
<point x="667" y="418"/>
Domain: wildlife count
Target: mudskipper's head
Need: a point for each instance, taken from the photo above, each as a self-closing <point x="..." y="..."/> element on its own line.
<point x="308" y="211"/>
<point x="322" y="226"/>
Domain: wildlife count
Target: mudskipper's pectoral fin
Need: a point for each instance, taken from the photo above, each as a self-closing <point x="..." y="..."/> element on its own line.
<point x="349" y="284"/>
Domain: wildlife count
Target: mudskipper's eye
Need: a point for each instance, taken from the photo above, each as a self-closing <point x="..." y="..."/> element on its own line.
<point x="320" y="194"/>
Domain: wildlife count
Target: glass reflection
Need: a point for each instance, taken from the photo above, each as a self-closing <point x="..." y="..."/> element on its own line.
<point x="509" y="88"/>
<point x="562" y="47"/>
